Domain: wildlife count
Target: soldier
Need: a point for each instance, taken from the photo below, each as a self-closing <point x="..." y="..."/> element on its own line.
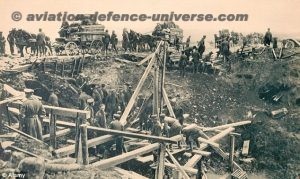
<point x="206" y="60"/>
<point x="188" y="41"/>
<point x="32" y="113"/>
<point x="182" y="63"/>
<point x="117" y="125"/>
<point x="106" y="41"/>
<point x="82" y="99"/>
<point x="11" y="41"/>
<point x="226" y="52"/>
<point x="268" y="38"/>
<point x="2" y="44"/>
<point x="174" y="127"/>
<point x="126" y="42"/>
<point x="53" y="99"/>
<point x="98" y="97"/>
<point x="114" y="41"/>
<point x="89" y="107"/>
<point x="201" y="46"/>
<point x="104" y="92"/>
<point x="196" y="58"/>
<point x="100" y="117"/>
<point x="156" y="131"/>
<point x="112" y="104"/>
<point x="192" y="134"/>
<point x="41" y="42"/>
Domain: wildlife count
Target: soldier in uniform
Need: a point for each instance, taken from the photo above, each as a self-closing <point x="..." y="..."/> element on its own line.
<point x="41" y="42"/>
<point x="117" y="125"/>
<point x="114" y="41"/>
<point x="268" y="38"/>
<point x="89" y="107"/>
<point x="2" y="44"/>
<point x="53" y="99"/>
<point x="126" y="42"/>
<point x="11" y="41"/>
<point x="201" y="46"/>
<point x="196" y="58"/>
<point x="106" y="41"/>
<point x="182" y="63"/>
<point x="100" y="117"/>
<point x="188" y="41"/>
<point x="156" y="131"/>
<point x="192" y="134"/>
<point x="174" y="127"/>
<point x="32" y="113"/>
<point x="82" y="99"/>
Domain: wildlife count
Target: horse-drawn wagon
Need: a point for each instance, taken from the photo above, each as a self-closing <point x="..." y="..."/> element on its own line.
<point x="86" y="39"/>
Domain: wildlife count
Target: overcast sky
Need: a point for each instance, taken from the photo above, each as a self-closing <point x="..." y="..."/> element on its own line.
<point x="282" y="16"/>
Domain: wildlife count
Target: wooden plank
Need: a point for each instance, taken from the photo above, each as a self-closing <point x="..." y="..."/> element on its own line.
<point x="67" y="112"/>
<point x="59" y="133"/>
<point x="161" y="165"/>
<point x="178" y="165"/>
<point x="194" y="160"/>
<point x="128" y="108"/>
<point x="8" y="100"/>
<point x="186" y="169"/>
<point x="28" y="153"/>
<point x="169" y="106"/>
<point x="68" y="150"/>
<point x="146" y="59"/>
<point x="103" y="164"/>
<point x="208" y="142"/>
<point x="245" y="149"/>
<point x="133" y="135"/>
<point x="227" y="126"/>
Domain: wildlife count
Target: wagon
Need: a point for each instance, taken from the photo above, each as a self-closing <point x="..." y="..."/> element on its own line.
<point x="85" y="40"/>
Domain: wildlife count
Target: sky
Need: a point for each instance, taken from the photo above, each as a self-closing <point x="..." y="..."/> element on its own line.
<point x="281" y="16"/>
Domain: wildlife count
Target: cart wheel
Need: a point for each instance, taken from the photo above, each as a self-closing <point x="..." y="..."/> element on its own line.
<point x="71" y="48"/>
<point x="96" y="46"/>
<point x="289" y="44"/>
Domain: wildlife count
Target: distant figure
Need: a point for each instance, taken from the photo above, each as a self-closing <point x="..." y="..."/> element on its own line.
<point x="82" y="99"/>
<point x="156" y="131"/>
<point x="275" y="42"/>
<point x="183" y="63"/>
<point x="11" y="41"/>
<point x="41" y="42"/>
<point x="196" y="59"/>
<point x="2" y="44"/>
<point x="100" y="117"/>
<point x="201" y="46"/>
<point x="114" y="41"/>
<point x="268" y="38"/>
<point x="126" y="42"/>
<point x="32" y="114"/>
<point x="106" y="41"/>
<point x="188" y="41"/>
<point x="53" y="99"/>
<point x="89" y="107"/>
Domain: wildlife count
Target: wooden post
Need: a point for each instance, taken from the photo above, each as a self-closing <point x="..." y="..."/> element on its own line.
<point x="52" y="130"/>
<point x="161" y="165"/>
<point x="85" y="152"/>
<point x="155" y="88"/>
<point x="63" y="68"/>
<point x="8" y="115"/>
<point x="77" y="138"/>
<point x="55" y="67"/>
<point x="231" y="154"/>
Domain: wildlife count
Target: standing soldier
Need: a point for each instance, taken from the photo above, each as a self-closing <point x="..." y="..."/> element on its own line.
<point x="104" y="92"/>
<point x="188" y="41"/>
<point x="125" y="43"/>
<point x="53" y="99"/>
<point x="268" y="38"/>
<point x="11" y="41"/>
<point x="182" y="63"/>
<point x="41" y="42"/>
<point x="2" y="44"/>
<point x="89" y="107"/>
<point x="97" y="96"/>
<point x="32" y="113"/>
<point x="106" y="41"/>
<point x="112" y="104"/>
<point x="196" y="58"/>
<point x="82" y="100"/>
<point x="201" y="46"/>
<point x="100" y="117"/>
<point x="114" y="41"/>
<point x="226" y="52"/>
<point x="117" y="125"/>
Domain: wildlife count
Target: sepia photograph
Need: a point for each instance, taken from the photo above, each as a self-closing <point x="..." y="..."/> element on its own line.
<point x="149" y="89"/>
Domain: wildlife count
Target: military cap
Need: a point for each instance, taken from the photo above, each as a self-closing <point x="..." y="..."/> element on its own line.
<point x="162" y="115"/>
<point x="153" y="116"/>
<point x="27" y="90"/>
<point x="117" y="116"/>
<point x="91" y="100"/>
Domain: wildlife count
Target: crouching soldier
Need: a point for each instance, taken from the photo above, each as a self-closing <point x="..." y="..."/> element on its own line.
<point x="174" y="127"/>
<point x="192" y="134"/>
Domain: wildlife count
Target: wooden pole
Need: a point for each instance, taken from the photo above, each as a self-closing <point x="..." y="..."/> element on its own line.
<point x="85" y="152"/>
<point x="8" y="115"/>
<point x="169" y="106"/>
<point x="161" y="165"/>
<point x="231" y="154"/>
<point x="52" y="130"/>
<point x="77" y="136"/>
<point x="185" y="176"/>
<point x="227" y="126"/>
<point x="155" y="88"/>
